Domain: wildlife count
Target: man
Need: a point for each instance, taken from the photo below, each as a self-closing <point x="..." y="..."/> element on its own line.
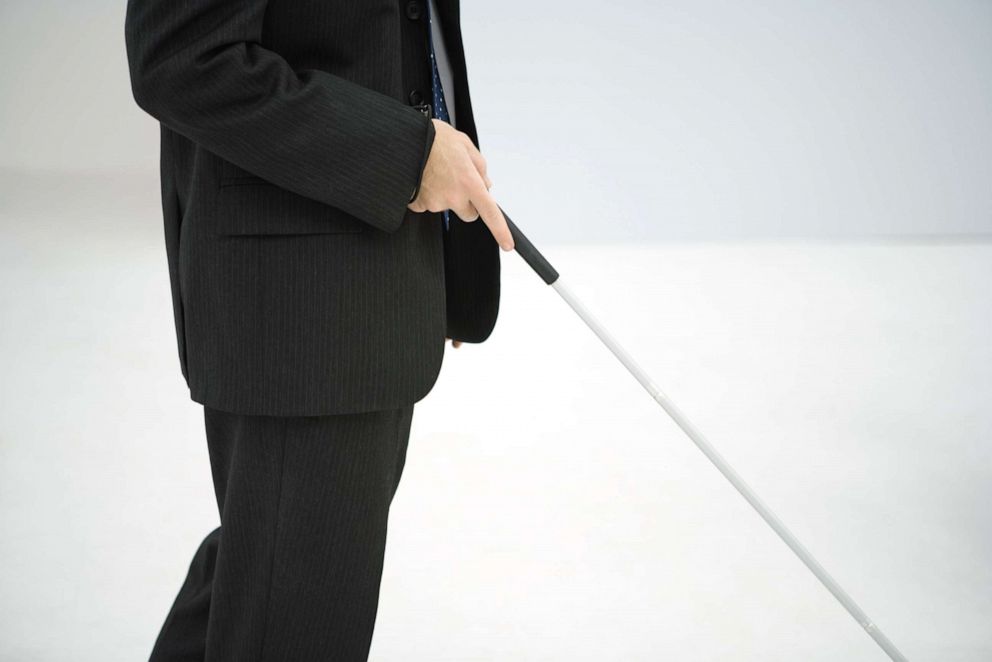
<point x="306" y="170"/>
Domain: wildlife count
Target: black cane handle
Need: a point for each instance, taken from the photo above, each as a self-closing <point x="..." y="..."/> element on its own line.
<point x="530" y="254"/>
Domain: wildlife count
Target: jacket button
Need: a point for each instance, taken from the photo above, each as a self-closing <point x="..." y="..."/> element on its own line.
<point x="414" y="10"/>
<point x="416" y="98"/>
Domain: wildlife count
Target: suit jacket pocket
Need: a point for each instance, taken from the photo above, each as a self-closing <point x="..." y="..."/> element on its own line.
<point x="249" y="205"/>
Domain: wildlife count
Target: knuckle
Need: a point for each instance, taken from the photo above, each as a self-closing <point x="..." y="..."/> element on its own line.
<point x="466" y="180"/>
<point x="452" y="200"/>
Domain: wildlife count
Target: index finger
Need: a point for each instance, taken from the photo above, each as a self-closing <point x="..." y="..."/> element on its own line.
<point x="491" y="215"/>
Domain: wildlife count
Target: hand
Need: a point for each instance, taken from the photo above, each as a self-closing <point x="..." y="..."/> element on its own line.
<point x="455" y="178"/>
<point x="455" y="343"/>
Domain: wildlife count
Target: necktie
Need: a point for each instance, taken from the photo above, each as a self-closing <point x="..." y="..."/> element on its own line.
<point x="438" y="106"/>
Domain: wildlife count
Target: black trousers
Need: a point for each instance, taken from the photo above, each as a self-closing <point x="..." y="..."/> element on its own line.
<point x="292" y="574"/>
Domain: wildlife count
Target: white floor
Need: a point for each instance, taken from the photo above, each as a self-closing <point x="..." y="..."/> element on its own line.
<point x="549" y="510"/>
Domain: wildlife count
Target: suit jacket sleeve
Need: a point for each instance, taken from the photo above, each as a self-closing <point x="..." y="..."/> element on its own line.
<point x="197" y="67"/>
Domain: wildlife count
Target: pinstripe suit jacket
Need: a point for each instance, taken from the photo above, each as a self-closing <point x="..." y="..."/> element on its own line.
<point x="290" y="147"/>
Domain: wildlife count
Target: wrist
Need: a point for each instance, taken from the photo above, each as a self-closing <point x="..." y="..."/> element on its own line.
<point x="428" y="145"/>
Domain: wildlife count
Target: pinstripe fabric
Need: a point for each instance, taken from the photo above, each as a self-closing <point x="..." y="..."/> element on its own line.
<point x="301" y="283"/>
<point x="293" y="572"/>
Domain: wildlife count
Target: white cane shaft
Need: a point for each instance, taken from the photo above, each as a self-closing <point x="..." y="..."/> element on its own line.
<point x="730" y="474"/>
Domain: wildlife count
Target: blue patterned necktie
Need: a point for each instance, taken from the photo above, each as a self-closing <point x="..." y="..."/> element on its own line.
<point x="438" y="107"/>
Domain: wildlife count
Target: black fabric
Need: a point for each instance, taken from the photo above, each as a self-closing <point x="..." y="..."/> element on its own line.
<point x="301" y="284"/>
<point x="293" y="571"/>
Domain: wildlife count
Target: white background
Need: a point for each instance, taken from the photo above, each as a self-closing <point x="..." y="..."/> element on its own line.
<point x="632" y="120"/>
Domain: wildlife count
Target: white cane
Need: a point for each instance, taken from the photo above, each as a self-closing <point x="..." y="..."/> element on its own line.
<point x="549" y="275"/>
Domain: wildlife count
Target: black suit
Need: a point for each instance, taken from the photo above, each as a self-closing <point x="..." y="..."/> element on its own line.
<point x="301" y="283"/>
<point x="310" y="305"/>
